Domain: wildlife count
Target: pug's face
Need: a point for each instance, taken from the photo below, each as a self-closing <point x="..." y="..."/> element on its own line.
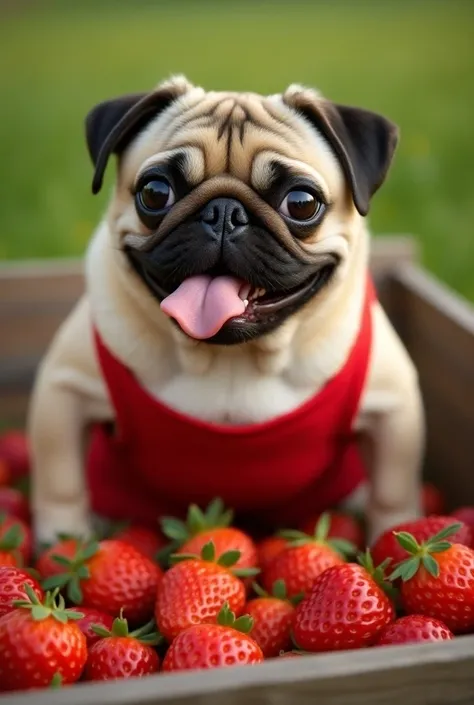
<point x="233" y="208"/>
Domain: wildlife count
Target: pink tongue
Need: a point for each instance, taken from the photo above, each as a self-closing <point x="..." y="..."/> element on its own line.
<point x="202" y="304"/>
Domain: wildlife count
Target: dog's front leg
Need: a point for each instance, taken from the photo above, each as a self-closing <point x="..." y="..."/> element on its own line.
<point x="392" y="416"/>
<point x="59" y="497"/>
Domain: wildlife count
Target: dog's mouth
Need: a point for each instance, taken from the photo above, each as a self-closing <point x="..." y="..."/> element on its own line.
<point x="204" y="304"/>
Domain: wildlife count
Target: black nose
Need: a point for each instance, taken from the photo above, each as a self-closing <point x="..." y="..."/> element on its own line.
<point x="223" y="215"/>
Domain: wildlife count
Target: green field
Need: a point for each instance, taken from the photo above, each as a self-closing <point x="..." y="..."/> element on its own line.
<point x="412" y="60"/>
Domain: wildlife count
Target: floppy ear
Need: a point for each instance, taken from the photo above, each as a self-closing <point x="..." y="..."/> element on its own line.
<point x="363" y="141"/>
<point x="111" y="125"/>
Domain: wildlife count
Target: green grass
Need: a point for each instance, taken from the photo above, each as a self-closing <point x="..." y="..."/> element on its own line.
<point x="413" y="61"/>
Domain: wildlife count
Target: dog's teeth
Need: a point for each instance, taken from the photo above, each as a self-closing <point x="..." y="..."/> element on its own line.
<point x="245" y="291"/>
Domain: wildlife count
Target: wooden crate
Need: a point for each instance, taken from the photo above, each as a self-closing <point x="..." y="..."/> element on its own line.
<point x="438" y="330"/>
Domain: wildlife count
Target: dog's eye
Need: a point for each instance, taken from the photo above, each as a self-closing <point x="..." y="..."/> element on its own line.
<point x="156" y="195"/>
<point x="300" y="205"/>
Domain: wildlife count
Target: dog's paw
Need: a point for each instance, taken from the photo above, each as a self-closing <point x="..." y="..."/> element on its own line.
<point x="55" y="520"/>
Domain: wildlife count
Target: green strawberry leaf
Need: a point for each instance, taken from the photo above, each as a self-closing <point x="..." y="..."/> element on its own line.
<point x="407" y="541"/>
<point x="180" y="557"/>
<point x="196" y="520"/>
<point x="447" y="531"/>
<point x="279" y="589"/>
<point x="344" y="547"/>
<point x="208" y="552"/>
<point x="245" y="572"/>
<point x="174" y="529"/>
<point x="56" y="581"/>
<point x="101" y="631"/>
<point x="406" y="569"/>
<point x="61" y="560"/>
<point x="244" y="624"/>
<point x="293" y="535"/>
<point x="438" y="547"/>
<point x="226" y="617"/>
<point x="229" y="558"/>
<point x="12" y="538"/>
<point x="296" y="599"/>
<point x="74" y="591"/>
<point x="258" y="590"/>
<point x="214" y="512"/>
<point x="39" y="612"/>
<point x="431" y="565"/>
<point x="90" y="550"/>
<point x="322" y="527"/>
<point x="56" y="680"/>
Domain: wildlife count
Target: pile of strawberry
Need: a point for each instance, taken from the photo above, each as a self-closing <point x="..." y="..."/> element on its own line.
<point x="204" y="594"/>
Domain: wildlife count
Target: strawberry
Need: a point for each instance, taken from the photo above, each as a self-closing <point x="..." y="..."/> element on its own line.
<point x="38" y="641"/>
<point x="432" y="500"/>
<point x="466" y="515"/>
<point x="12" y="587"/>
<point x="211" y="525"/>
<point x="94" y="617"/>
<point x="341" y="526"/>
<point x="14" y="450"/>
<point x="194" y="590"/>
<point x="226" y="643"/>
<point x="304" y="559"/>
<point x="14" y="503"/>
<point x="120" y="654"/>
<point x="272" y="618"/>
<point x="109" y="575"/>
<point x="144" y="540"/>
<point x="268" y="549"/>
<point x="47" y="565"/>
<point x="347" y="608"/>
<point x="5" y="474"/>
<point x="387" y="545"/>
<point x="414" y="628"/>
<point x="15" y="541"/>
<point x="437" y="580"/>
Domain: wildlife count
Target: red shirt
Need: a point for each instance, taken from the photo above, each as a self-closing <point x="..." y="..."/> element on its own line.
<point x="156" y="460"/>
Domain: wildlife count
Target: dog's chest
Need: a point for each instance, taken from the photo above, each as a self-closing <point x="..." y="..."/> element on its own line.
<point x="233" y="392"/>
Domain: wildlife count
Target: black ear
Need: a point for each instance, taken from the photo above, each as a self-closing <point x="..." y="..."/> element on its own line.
<point x="111" y="125"/>
<point x="363" y="141"/>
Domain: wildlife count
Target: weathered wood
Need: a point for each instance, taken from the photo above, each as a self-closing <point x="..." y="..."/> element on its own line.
<point x="437" y="327"/>
<point x="429" y="674"/>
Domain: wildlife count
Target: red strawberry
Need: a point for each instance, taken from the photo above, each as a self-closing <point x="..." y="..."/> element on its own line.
<point x="211" y="525"/>
<point x="144" y="540"/>
<point x="194" y="590"/>
<point x="268" y="549"/>
<point x="15" y="541"/>
<point x="303" y="560"/>
<point x="437" y="580"/>
<point x="12" y="587"/>
<point x="214" y="645"/>
<point x="5" y="474"/>
<point x="272" y="619"/>
<point x="120" y="654"/>
<point x="46" y="565"/>
<point x="14" y="503"/>
<point x="432" y="500"/>
<point x="414" y="628"/>
<point x="37" y="642"/>
<point x="14" y="450"/>
<point x="109" y="575"/>
<point x="466" y="515"/>
<point x="341" y="526"/>
<point x="92" y="617"/>
<point x="387" y="545"/>
<point x="347" y="608"/>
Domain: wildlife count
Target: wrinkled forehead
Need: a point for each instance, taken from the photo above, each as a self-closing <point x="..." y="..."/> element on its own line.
<point x="240" y="134"/>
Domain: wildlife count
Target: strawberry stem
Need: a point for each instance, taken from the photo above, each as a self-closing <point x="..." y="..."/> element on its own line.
<point x="76" y="570"/>
<point x="421" y="553"/>
<point x="226" y="618"/>
<point x="53" y="605"/>
<point x="197" y="521"/>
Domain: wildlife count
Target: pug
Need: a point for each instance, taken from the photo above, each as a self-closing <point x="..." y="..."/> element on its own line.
<point x="229" y="342"/>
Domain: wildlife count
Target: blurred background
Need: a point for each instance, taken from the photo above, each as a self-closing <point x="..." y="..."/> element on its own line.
<point x="410" y="59"/>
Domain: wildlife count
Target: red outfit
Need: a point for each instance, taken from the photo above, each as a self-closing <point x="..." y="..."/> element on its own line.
<point x="157" y="460"/>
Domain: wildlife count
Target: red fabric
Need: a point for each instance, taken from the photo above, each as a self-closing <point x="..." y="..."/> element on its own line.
<point x="157" y="460"/>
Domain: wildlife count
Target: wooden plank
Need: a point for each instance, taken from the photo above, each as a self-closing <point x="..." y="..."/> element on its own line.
<point x="437" y="327"/>
<point x="434" y="674"/>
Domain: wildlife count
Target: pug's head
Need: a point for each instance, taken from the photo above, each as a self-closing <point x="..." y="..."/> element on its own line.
<point x="235" y="209"/>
